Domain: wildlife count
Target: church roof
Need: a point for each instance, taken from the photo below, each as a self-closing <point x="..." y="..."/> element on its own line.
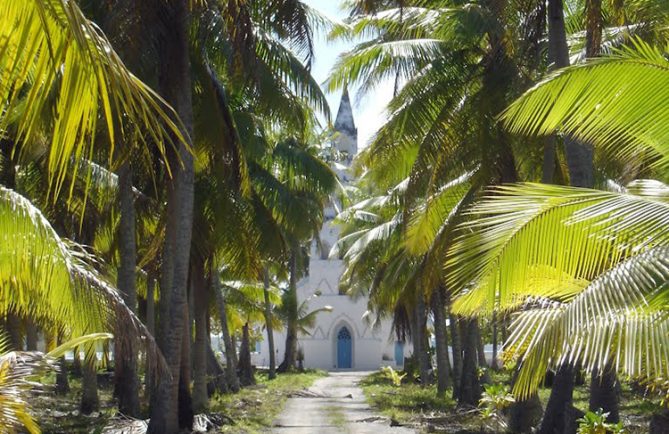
<point x="344" y="122"/>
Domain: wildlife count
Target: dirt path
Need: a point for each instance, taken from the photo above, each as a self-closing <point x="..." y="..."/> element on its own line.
<point x="334" y="405"/>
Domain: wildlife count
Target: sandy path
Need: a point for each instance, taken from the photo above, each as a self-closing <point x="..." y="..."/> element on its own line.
<point x="335" y="404"/>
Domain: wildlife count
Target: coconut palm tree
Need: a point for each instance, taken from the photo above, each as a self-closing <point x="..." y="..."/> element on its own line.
<point x="583" y="269"/>
<point x="67" y="57"/>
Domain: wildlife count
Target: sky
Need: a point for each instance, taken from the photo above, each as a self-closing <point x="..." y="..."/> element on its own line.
<point x="369" y="109"/>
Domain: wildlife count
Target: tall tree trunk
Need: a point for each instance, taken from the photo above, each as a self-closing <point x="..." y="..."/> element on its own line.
<point x="216" y="373"/>
<point x="470" y="387"/>
<point x="524" y="415"/>
<point x="580" y="155"/>
<point x="186" y="413"/>
<point x="13" y="325"/>
<point x="245" y="367"/>
<point x="175" y="85"/>
<point x="558" y="51"/>
<point x="151" y="327"/>
<point x="593" y="27"/>
<point x="125" y="353"/>
<point x="31" y="335"/>
<point x="558" y="57"/>
<point x="581" y="173"/>
<point x="480" y="348"/>
<point x="441" y="337"/>
<point x="604" y="392"/>
<point x="558" y="415"/>
<point x="201" y="305"/>
<point x="480" y="353"/>
<point x="456" y="345"/>
<point x="62" y="382"/>
<point x="230" y="350"/>
<point x="494" y="364"/>
<point x="290" y="304"/>
<point x="90" y="401"/>
<point x="76" y="362"/>
<point x="268" y="325"/>
<point x="423" y="351"/>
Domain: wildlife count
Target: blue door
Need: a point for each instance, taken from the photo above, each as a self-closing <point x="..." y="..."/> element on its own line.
<point x="399" y="353"/>
<point x="344" y="352"/>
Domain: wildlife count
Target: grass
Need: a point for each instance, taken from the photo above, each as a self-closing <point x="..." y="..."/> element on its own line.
<point x="414" y="405"/>
<point x="60" y="414"/>
<point x="336" y="416"/>
<point x="254" y="409"/>
<point x="404" y="403"/>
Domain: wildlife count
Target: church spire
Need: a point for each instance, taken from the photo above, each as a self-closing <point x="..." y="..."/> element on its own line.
<point x="347" y="134"/>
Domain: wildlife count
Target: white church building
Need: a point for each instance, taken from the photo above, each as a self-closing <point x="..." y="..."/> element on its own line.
<point x="342" y="338"/>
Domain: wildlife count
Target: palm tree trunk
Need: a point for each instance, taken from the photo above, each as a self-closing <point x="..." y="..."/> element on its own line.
<point x="470" y="387"/>
<point x="558" y="51"/>
<point x="422" y="352"/>
<point x="13" y="325"/>
<point x="31" y="335"/>
<point x="604" y="392"/>
<point x="201" y="304"/>
<point x="456" y="345"/>
<point x="185" y="404"/>
<point x="125" y="355"/>
<point x="62" y="382"/>
<point x="494" y="364"/>
<point x="151" y="327"/>
<point x="480" y="348"/>
<point x="524" y="415"/>
<point x="230" y="350"/>
<point x="175" y="85"/>
<point x="90" y="401"/>
<point x="245" y="367"/>
<point x="593" y="27"/>
<point x="76" y="362"/>
<point x="215" y="372"/>
<point x="581" y="173"/>
<point x="268" y="325"/>
<point x="659" y="422"/>
<point x="480" y="353"/>
<point x="558" y="414"/>
<point x="290" y="356"/>
<point x="441" y="337"/>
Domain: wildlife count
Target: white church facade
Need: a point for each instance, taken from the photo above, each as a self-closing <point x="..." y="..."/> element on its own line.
<point x="342" y="338"/>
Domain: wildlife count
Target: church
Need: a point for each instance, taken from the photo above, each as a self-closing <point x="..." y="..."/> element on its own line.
<point x="342" y="338"/>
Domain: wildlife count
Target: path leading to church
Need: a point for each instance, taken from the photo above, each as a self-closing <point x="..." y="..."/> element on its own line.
<point x="334" y="405"/>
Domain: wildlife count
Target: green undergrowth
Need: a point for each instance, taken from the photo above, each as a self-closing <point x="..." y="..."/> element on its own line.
<point x="57" y="414"/>
<point x="404" y="403"/>
<point x="412" y="404"/>
<point x="254" y="409"/>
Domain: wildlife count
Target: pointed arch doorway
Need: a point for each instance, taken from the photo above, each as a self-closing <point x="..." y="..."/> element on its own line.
<point x="344" y="348"/>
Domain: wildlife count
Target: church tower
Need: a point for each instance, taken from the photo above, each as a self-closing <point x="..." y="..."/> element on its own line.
<point x="346" y="134"/>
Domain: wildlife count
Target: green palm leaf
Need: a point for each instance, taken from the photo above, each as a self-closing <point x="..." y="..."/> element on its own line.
<point x="524" y="234"/>
<point x="59" y="74"/>
<point x="620" y="317"/>
<point x="616" y="103"/>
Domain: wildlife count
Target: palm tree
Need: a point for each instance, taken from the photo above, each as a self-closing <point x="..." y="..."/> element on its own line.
<point x="611" y="137"/>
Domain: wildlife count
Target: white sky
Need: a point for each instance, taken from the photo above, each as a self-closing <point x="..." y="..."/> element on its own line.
<point x="369" y="110"/>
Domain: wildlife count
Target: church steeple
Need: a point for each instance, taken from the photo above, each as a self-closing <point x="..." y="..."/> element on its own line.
<point x="347" y="134"/>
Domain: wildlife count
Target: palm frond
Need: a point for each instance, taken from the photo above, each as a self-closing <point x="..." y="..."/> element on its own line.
<point x="614" y="102"/>
<point x="60" y="74"/>
<point x="619" y="318"/>
<point x="521" y="234"/>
